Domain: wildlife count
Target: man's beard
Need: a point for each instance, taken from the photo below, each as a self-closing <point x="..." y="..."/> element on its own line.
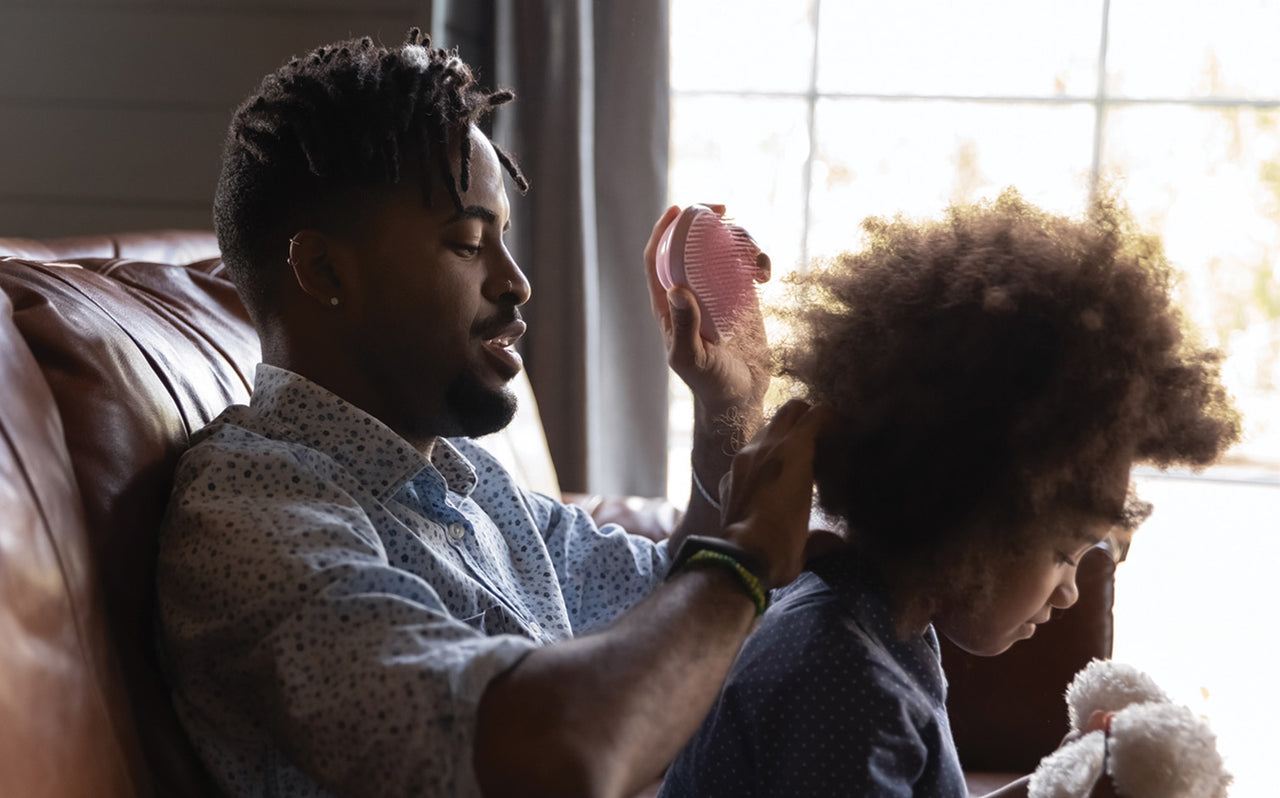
<point x="478" y="409"/>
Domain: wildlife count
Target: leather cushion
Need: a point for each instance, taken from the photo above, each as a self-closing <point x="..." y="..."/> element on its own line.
<point x="137" y="356"/>
<point x="161" y="246"/>
<point x="57" y="736"/>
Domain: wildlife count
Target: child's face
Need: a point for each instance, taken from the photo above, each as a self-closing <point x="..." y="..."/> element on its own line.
<point x="1024" y="591"/>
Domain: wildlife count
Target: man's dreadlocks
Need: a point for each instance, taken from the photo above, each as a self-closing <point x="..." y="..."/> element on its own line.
<point x="347" y="116"/>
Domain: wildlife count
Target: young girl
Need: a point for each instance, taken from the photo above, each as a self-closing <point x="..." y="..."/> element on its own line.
<point x="995" y="376"/>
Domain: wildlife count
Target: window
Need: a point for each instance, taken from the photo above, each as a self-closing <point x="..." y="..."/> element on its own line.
<point x="805" y="116"/>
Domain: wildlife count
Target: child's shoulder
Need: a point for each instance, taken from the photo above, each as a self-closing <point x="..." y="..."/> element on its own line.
<point x="820" y="653"/>
<point x="829" y="623"/>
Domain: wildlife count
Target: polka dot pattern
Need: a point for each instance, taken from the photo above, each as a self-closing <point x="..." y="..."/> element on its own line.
<point x="333" y="603"/>
<point x="824" y="700"/>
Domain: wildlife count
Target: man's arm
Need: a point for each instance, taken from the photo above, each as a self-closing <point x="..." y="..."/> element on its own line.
<point x="728" y="379"/>
<point x="602" y="715"/>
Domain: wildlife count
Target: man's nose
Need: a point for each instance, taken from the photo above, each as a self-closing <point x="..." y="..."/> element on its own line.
<point x="506" y="282"/>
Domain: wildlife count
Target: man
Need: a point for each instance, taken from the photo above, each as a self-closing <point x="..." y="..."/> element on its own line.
<point x="356" y="599"/>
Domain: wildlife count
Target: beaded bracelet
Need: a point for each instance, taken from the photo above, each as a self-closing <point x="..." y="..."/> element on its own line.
<point x="697" y="551"/>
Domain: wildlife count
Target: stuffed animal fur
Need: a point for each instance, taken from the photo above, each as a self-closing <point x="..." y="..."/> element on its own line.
<point x="1154" y="748"/>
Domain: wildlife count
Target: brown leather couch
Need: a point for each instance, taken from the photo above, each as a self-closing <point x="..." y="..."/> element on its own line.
<point x="113" y="351"/>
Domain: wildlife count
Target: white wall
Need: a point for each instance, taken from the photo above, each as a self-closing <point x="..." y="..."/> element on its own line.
<point x="112" y="114"/>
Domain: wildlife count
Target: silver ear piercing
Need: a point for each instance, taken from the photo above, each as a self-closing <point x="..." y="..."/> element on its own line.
<point x="333" y="300"/>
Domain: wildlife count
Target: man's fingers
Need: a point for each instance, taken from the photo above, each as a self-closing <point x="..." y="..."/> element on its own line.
<point x="771" y="487"/>
<point x="761" y="460"/>
<point x="810" y="425"/>
<point x="651" y="248"/>
<point x="796" y="412"/>
<point x="686" y="318"/>
<point x="657" y="294"/>
<point x="786" y="417"/>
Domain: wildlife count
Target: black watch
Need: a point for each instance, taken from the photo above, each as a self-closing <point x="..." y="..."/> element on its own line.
<point x="696" y="543"/>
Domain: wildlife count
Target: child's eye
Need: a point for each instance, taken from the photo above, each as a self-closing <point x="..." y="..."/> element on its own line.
<point x="1062" y="558"/>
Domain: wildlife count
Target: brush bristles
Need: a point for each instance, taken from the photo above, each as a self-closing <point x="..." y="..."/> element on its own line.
<point x="720" y="264"/>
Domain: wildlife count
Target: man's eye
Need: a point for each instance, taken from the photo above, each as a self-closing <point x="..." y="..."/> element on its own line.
<point x="467" y="250"/>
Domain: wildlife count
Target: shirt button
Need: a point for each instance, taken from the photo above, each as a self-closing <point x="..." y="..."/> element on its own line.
<point x="457" y="530"/>
<point x="537" y="630"/>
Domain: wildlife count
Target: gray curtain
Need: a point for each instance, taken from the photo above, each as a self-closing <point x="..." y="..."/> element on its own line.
<point x="590" y="129"/>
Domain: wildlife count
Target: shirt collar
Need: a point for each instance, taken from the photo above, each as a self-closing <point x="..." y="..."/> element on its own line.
<point x="860" y="587"/>
<point x="374" y="453"/>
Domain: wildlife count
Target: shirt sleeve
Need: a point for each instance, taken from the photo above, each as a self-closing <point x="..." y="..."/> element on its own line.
<point x="603" y="571"/>
<point x="281" y="616"/>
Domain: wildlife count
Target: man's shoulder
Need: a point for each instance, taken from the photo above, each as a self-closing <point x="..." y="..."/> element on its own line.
<point x="239" y="441"/>
<point x="236" y="429"/>
<point x="238" y="473"/>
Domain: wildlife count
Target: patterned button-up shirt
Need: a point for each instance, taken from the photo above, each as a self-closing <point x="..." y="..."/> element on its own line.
<point x="333" y="603"/>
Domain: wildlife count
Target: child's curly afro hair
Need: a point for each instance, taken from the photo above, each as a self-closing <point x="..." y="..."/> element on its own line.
<point x="991" y="369"/>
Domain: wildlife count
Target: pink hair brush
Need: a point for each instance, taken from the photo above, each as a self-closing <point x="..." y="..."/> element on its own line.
<point x="720" y="262"/>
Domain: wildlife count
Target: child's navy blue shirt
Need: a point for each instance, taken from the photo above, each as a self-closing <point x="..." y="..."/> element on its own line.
<point x="825" y="700"/>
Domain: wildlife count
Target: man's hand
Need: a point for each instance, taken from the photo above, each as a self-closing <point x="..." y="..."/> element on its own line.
<point x="604" y="714"/>
<point x="728" y="378"/>
<point x="767" y="494"/>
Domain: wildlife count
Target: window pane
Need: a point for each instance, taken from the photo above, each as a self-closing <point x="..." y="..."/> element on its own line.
<point x="747" y="153"/>
<point x="1185" y="611"/>
<point x="1038" y="48"/>
<point x="1227" y="49"/>
<point x="881" y="157"/>
<point x="757" y="45"/>
<point x="1208" y="181"/>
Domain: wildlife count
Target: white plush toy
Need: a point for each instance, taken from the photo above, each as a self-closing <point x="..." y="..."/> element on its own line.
<point x="1154" y="749"/>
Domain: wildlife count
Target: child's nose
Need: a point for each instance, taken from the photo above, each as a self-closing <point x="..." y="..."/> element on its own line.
<point x="1065" y="594"/>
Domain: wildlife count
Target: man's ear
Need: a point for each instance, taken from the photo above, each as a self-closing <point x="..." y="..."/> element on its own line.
<point x="311" y="258"/>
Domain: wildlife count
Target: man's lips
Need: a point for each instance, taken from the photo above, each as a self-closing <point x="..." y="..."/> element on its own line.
<point x="504" y="335"/>
<point x="499" y="342"/>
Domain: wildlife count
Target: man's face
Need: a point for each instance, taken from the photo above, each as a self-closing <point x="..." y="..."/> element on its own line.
<point x="435" y="330"/>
